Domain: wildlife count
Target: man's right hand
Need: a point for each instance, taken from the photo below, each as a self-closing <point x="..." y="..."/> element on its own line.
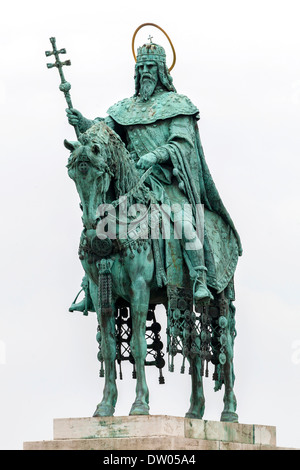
<point x="74" y="116"/>
<point x="76" y="119"/>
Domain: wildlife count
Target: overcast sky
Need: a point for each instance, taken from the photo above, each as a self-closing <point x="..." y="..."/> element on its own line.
<point x="239" y="62"/>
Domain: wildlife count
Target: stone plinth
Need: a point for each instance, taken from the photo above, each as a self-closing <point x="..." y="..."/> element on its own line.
<point x="155" y="433"/>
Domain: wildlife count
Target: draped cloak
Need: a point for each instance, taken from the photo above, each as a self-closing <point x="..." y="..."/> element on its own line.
<point x="166" y="125"/>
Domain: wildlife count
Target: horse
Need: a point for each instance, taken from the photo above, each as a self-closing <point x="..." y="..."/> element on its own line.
<point x="128" y="271"/>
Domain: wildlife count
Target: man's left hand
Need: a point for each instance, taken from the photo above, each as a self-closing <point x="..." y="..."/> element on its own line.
<point x="146" y="161"/>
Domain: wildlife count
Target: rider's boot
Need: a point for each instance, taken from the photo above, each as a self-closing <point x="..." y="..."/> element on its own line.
<point x="195" y="261"/>
<point x="86" y="304"/>
<point x="201" y="292"/>
<point x="79" y="306"/>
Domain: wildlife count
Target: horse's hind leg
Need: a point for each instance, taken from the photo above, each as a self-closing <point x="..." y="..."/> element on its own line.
<point x="197" y="400"/>
<point x="230" y="403"/>
<point x="138" y="344"/>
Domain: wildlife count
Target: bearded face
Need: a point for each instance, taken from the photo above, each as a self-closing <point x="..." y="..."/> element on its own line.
<point x="148" y="72"/>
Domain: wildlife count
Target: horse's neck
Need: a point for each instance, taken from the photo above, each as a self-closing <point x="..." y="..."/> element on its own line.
<point x="92" y="199"/>
<point x="110" y="195"/>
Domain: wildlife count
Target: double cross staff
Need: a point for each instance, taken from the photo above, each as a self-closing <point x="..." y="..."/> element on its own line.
<point x="64" y="85"/>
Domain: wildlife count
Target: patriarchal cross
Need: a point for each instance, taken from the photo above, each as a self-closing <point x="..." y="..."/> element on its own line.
<point x="64" y="85"/>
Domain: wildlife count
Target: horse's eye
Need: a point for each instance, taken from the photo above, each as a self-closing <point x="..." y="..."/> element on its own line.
<point x="83" y="167"/>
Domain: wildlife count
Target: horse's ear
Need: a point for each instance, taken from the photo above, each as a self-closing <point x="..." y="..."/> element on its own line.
<point x="71" y="145"/>
<point x="95" y="149"/>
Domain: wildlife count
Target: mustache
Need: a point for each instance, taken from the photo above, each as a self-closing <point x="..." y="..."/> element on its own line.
<point x="147" y="76"/>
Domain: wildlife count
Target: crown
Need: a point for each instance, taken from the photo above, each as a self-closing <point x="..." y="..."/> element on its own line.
<point x="150" y="52"/>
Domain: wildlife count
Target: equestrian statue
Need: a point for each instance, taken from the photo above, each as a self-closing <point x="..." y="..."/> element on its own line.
<point x="155" y="232"/>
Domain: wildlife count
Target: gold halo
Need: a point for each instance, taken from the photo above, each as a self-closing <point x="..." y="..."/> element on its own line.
<point x="156" y="26"/>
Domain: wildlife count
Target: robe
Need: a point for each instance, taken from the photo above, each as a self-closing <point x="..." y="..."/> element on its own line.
<point x="166" y="126"/>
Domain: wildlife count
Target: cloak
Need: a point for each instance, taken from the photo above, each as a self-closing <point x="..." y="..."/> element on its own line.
<point x="222" y="244"/>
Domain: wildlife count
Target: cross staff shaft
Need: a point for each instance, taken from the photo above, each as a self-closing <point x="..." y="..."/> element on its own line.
<point x="64" y="85"/>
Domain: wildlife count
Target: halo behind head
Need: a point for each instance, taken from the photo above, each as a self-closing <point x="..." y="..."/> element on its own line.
<point x="148" y="51"/>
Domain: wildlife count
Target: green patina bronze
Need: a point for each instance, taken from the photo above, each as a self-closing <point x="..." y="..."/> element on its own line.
<point x="147" y="155"/>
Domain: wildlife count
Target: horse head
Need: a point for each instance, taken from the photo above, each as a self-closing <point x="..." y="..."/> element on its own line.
<point x="88" y="166"/>
<point x="102" y="170"/>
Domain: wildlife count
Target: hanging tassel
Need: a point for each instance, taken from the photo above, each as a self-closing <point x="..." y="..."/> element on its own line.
<point x="171" y="365"/>
<point x="161" y="379"/>
<point x="134" y="372"/>
<point x="182" y="369"/>
<point x="120" y="371"/>
<point x="206" y="370"/>
<point x="215" y="374"/>
<point x="101" y="373"/>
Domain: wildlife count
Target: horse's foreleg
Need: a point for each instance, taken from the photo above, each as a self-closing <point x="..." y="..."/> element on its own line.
<point x="106" y="321"/>
<point x="138" y="344"/>
<point x="108" y="348"/>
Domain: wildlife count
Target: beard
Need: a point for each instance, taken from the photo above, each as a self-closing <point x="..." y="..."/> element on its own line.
<point x="147" y="88"/>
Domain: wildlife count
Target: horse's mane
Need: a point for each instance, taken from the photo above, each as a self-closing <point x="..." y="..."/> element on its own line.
<point x="113" y="151"/>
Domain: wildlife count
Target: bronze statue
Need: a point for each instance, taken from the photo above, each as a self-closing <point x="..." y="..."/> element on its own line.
<point x="143" y="167"/>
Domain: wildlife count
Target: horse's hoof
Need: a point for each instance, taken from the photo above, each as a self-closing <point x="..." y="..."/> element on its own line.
<point x="229" y="417"/>
<point x="139" y="409"/>
<point x="104" y="410"/>
<point x="193" y="415"/>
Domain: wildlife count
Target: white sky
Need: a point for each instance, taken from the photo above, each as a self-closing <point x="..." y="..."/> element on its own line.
<point x="238" y="61"/>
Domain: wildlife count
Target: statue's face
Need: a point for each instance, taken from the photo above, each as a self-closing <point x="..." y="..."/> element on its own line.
<point x="148" y="72"/>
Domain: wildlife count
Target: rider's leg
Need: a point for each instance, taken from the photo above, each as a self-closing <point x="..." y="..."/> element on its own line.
<point x="193" y="252"/>
<point x="195" y="261"/>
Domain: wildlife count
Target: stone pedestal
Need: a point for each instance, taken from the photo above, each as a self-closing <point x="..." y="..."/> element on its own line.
<point x="155" y="433"/>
